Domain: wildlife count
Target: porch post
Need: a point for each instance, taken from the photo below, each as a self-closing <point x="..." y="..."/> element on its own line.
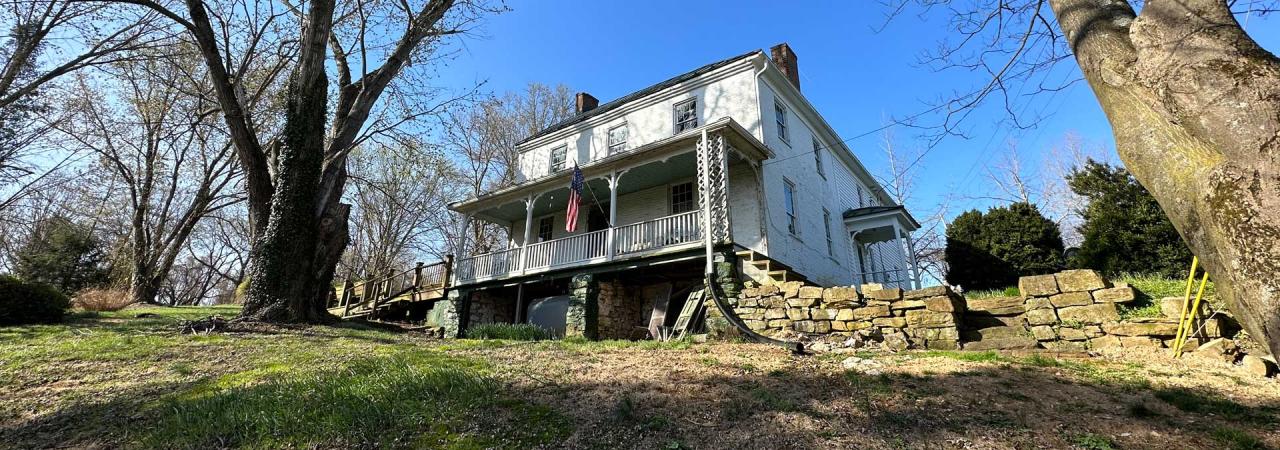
<point x="528" y="229"/>
<point x="462" y="240"/>
<point x="614" y="178"/>
<point x="915" y="265"/>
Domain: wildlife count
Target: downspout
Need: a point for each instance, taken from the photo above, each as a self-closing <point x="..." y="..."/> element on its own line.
<point x="712" y="288"/>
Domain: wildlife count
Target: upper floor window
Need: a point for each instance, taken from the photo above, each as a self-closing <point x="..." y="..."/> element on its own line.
<point x="683" y="198"/>
<point x="618" y="139"/>
<point x="545" y="225"/>
<point x="558" y="157"/>
<point x="789" y="204"/>
<point x="780" y="113"/>
<point x="686" y="115"/>
<point x="826" y="222"/>
<point x="817" y="158"/>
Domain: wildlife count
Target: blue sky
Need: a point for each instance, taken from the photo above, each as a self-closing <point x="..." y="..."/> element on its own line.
<point x="855" y="76"/>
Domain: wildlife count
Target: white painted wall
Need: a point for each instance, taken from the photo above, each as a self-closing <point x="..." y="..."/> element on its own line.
<point x="736" y="91"/>
<point x="726" y="92"/>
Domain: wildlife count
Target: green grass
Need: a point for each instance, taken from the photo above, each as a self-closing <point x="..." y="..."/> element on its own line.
<point x="508" y="331"/>
<point x="1090" y="441"/>
<point x="1151" y="288"/>
<point x="987" y="356"/>
<point x="327" y="387"/>
<point x="1235" y="439"/>
<point x="1011" y="291"/>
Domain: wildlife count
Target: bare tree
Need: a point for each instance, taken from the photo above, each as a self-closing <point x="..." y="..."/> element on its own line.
<point x="174" y="164"/>
<point x="483" y="138"/>
<point x="1193" y="101"/>
<point x="295" y="179"/>
<point x="399" y="194"/>
<point x="929" y="241"/>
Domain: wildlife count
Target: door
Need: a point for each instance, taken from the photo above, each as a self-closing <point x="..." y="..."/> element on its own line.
<point x="597" y="218"/>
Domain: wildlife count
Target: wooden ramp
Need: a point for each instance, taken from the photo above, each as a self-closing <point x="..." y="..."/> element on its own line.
<point x="366" y="298"/>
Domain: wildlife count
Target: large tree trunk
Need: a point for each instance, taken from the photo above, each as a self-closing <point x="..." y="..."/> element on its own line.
<point x="287" y="276"/>
<point x="1194" y="104"/>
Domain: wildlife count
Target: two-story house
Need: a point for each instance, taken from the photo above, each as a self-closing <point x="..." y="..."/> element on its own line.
<point x="796" y="203"/>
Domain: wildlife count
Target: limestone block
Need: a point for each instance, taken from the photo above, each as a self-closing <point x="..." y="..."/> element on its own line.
<point x="1129" y="328"/>
<point x="931" y="334"/>
<point x="1080" y="280"/>
<point x="931" y="291"/>
<point x="1172" y="307"/>
<point x="844" y="314"/>
<point x="804" y="326"/>
<point x="775" y="313"/>
<point x="1070" y="299"/>
<point x="840" y="325"/>
<point x="1093" y="331"/>
<point x="749" y="292"/>
<point x="1219" y="349"/>
<point x="997" y="306"/>
<point x="896" y="342"/>
<point x="1002" y="344"/>
<point x="892" y="322"/>
<point x="1044" y="333"/>
<point x="1065" y="346"/>
<point x="868" y="312"/>
<point x="768" y="289"/>
<point x="1072" y="334"/>
<point x="756" y="325"/>
<point x="1119" y="294"/>
<point x="870" y="287"/>
<point x="802" y="302"/>
<point x="885" y="294"/>
<point x="1038" y="285"/>
<point x="1091" y="314"/>
<point x="1038" y="303"/>
<point x="907" y="304"/>
<point x="856" y="325"/>
<point x="930" y="319"/>
<point x="749" y="302"/>
<point x="944" y="303"/>
<point x="819" y="314"/>
<point x="983" y="320"/>
<point x="810" y="292"/>
<point x="1256" y="366"/>
<point x="822" y="326"/>
<point x="779" y="323"/>
<point x="1042" y="317"/>
<point x="840" y="294"/>
<point x="1104" y="342"/>
<point x="798" y="313"/>
<point x="942" y="344"/>
<point x="1139" y="342"/>
<point x="790" y="289"/>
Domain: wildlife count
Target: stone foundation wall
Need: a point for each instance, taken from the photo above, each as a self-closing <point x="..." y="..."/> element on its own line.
<point x="1072" y="311"/>
<point x="621" y="311"/>
<point x="896" y="319"/>
<point x="487" y="307"/>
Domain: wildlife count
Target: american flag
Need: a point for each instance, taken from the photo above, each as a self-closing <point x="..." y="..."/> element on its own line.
<point x="575" y="197"/>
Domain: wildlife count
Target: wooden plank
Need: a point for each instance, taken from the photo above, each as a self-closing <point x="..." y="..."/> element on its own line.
<point x="660" y="297"/>
<point x="690" y="311"/>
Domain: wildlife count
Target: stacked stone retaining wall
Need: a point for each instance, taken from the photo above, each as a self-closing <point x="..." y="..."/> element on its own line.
<point x="1073" y="310"/>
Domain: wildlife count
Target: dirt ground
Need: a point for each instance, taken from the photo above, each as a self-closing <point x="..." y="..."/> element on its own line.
<point x="754" y="396"/>
<point x="96" y="383"/>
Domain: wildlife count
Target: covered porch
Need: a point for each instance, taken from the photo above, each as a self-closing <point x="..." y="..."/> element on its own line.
<point x="640" y="203"/>
<point x="881" y="237"/>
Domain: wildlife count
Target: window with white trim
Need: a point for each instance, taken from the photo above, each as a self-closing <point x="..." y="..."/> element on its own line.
<point x="789" y="204"/>
<point x="618" y="139"/>
<point x="780" y="114"/>
<point x="826" y="222"/>
<point x="683" y="198"/>
<point x="545" y="225"/>
<point x="558" y="157"/>
<point x="686" y="115"/>
<point x="817" y="158"/>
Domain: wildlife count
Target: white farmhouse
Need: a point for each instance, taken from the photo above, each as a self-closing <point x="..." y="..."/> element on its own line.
<point x="796" y="204"/>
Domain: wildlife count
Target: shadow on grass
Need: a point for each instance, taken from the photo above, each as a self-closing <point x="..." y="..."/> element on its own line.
<point x="414" y="399"/>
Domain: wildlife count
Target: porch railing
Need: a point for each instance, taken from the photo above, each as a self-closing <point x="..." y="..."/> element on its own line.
<point x="649" y="235"/>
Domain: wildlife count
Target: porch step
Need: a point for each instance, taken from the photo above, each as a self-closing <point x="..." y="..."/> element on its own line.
<point x="765" y="270"/>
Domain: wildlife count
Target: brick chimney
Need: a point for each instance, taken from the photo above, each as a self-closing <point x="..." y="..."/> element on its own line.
<point x="586" y="102"/>
<point x="785" y="59"/>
